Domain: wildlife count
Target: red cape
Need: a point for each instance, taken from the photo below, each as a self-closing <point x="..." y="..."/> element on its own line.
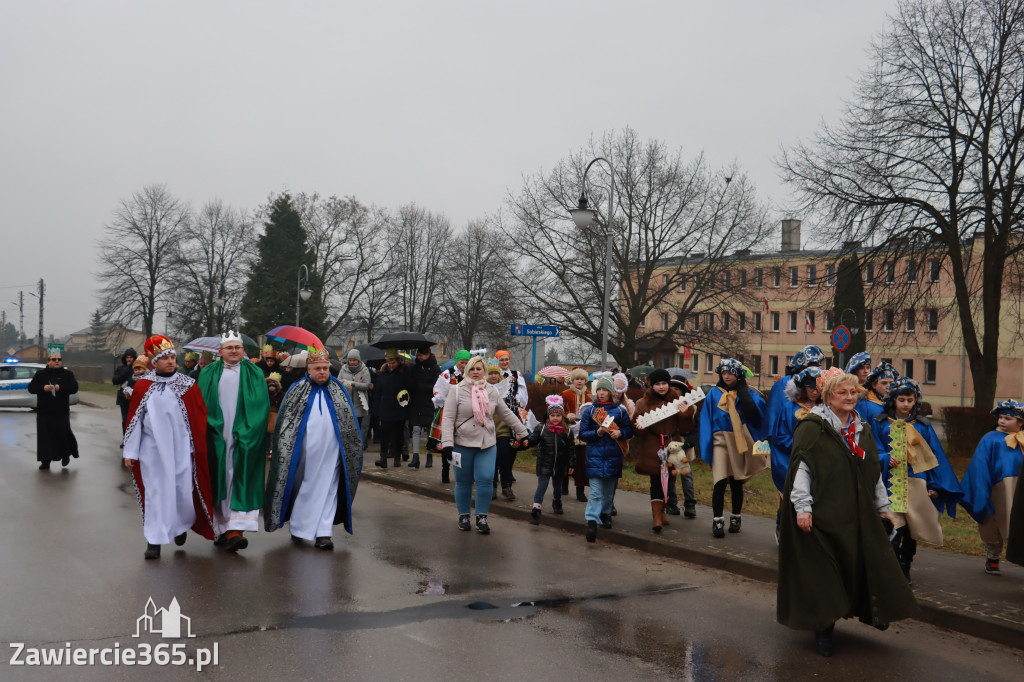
<point x="201" y="494"/>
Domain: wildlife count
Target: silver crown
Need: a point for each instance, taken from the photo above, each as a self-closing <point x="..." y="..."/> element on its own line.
<point x="231" y="335"/>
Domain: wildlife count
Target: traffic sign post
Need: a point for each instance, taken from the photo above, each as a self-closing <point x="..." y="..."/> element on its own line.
<point x="841" y="341"/>
<point x="534" y="330"/>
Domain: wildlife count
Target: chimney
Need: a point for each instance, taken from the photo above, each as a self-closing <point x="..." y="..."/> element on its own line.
<point x="791" y="234"/>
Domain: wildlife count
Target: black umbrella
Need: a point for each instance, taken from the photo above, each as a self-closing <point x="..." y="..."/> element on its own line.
<point x="680" y="372"/>
<point x="368" y="353"/>
<point x="641" y="371"/>
<point x="403" y="341"/>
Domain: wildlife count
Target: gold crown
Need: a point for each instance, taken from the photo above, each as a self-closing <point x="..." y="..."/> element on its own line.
<point x="274" y="376"/>
<point x="318" y="355"/>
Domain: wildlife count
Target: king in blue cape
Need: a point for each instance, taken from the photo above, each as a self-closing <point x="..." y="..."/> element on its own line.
<point x="318" y="457"/>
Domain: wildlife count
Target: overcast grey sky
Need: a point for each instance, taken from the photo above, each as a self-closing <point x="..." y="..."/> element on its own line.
<point x="444" y="103"/>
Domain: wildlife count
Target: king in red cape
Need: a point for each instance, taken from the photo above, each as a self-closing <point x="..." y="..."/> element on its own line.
<point x="165" y="448"/>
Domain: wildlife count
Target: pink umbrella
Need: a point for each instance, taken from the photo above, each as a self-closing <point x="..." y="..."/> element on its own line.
<point x="555" y="372"/>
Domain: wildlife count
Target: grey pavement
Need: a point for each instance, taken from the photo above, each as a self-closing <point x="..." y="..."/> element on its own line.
<point x="952" y="589"/>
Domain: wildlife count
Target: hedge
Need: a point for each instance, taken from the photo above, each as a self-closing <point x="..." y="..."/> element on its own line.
<point x="965" y="426"/>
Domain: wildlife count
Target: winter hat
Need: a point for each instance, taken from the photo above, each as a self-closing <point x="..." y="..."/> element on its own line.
<point x="899" y="386"/>
<point x="578" y="373"/>
<point x="502" y="354"/>
<point x="462" y="355"/>
<point x="353" y="355"/>
<point x="731" y="365"/>
<point x="858" y="361"/>
<point x="422" y="350"/>
<point x="1014" y="408"/>
<point x="142" y="362"/>
<point x="621" y="382"/>
<point x="606" y="383"/>
<point x="658" y="376"/>
<point x="813" y="355"/>
<point x="555" y="404"/>
<point x="158" y="346"/>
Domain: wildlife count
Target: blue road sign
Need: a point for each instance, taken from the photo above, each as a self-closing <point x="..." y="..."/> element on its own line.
<point x="534" y="330"/>
<point x="840" y="338"/>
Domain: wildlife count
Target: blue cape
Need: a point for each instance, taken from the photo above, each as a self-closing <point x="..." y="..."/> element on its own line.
<point x="941" y="479"/>
<point x="713" y="418"/>
<point x="993" y="461"/>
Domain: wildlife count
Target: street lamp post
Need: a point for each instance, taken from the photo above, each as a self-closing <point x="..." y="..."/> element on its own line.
<point x="302" y="291"/>
<point x="584" y="217"/>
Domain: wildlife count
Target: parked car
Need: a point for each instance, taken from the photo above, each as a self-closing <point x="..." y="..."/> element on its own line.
<point x="14" y="378"/>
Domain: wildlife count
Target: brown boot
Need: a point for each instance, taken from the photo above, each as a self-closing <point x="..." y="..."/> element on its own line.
<point x="658" y="512"/>
<point x="664" y="515"/>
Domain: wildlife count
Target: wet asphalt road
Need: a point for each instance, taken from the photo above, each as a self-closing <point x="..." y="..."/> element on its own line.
<point x="408" y="597"/>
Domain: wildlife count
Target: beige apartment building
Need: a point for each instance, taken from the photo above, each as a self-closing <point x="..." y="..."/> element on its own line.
<point x="784" y="300"/>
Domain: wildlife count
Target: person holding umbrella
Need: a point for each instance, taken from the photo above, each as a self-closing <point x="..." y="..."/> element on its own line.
<point x="391" y="395"/>
<point x="421" y="413"/>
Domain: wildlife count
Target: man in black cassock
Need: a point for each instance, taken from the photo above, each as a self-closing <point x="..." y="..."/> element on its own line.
<point x="54" y="385"/>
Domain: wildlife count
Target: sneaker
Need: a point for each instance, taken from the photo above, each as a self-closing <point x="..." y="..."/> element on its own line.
<point x="535" y="516"/>
<point x="464" y="522"/>
<point x="481" y="524"/>
<point x="734" y="523"/>
<point x="606" y="521"/>
<point x="718" y="527"/>
<point x="672" y="508"/>
<point x="690" y="510"/>
<point x="992" y="566"/>
<point x="556" y="506"/>
<point x="591" y="531"/>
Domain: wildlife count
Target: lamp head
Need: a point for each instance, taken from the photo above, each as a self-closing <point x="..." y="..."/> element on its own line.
<point x="305" y="293"/>
<point x="582" y="215"/>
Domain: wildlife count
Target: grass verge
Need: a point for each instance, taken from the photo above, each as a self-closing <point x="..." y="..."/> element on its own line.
<point x="96" y="387"/>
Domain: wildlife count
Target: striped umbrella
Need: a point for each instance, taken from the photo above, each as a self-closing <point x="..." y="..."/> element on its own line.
<point x="554" y="372"/>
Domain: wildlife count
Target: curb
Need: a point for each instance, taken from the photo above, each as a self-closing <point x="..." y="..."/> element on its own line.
<point x="1006" y="634"/>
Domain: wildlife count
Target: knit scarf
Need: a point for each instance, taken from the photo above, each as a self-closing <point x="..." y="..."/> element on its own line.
<point x="481" y="403"/>
<point x="728" y="403"/>
<point x="1013" y="440"/>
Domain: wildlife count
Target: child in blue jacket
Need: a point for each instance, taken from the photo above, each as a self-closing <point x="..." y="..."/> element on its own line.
<point x="604" y="455"/>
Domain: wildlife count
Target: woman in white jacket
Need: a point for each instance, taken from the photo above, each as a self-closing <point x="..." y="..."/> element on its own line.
<point x="467" y="437"/>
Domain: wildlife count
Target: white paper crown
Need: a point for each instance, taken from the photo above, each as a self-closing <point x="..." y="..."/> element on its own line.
<point x="761" y="448"/>
<point x="669" y="409"/>
<point x="231" y="335"/>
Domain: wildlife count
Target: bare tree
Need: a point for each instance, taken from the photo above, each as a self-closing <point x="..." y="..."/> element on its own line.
<point x="674" y="219"/>
<point x="211" y="263"/>
<point x="418" y="260"/>
<point x="137" y="254"/>
<point x="350" y="251"/>
<point x="477" y="294"/>
<point x="926" y="159"/>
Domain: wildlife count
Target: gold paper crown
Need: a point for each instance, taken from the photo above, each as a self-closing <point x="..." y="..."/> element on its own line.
<point x="274" y="376"/>
<point x="268" y="349"/>
<point x="318" y="355"/>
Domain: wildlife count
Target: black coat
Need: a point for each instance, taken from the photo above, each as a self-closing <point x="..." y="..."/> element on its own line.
<point x="556" y="453"/>
<point x="385" y="392"/>
<point x="124" y="373"/>
<point x="54" y="439"/>
<point x="424" y="376"/>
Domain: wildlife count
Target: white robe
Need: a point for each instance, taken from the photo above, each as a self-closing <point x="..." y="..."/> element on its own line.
<point x="162" y="445"/>
<point x="317" y="475"/>
<point x="224" y="517"/>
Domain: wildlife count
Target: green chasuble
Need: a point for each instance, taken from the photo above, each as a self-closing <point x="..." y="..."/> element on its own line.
<point x="249" y="431"/>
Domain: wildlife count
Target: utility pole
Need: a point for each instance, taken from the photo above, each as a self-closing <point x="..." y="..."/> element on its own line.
<point x="21" y="318"/>
<point x="42" y="292"/>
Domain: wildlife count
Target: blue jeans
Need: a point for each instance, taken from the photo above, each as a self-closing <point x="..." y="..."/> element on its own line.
<point x="602" y="494"/>
<point x="477" y="466"/>
<point x="542" y="487"/>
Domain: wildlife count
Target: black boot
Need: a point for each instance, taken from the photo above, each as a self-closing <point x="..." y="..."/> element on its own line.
<point x="690" y="510"/>
<point x="535" y="516"/>
<point x="591" y="531"/>
<point x="734" y="523"/>
<point x="445" y="468"/>
<point x="398" y="461"/>
<point x="606" y="521"/>
<point x="556" y="506"/>
<point x="906" y="555"/>
<point x="382" y="463"/>
<point x="179" y="540"/>
<point x="415" y="463"/>
<point x="430" y="462"/>
<point x="823" y="641"/>
<point x="580" y="497"/>
<point x="152" y="551"/>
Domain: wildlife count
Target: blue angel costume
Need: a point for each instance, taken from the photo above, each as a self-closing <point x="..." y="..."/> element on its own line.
<point x="286" y="471"/>
<point x="785" y="425"/>
<point x="716" y="433"/>
<point x="777" y="395"/>
<point x="870" y="404"/>
<point x="990" y="482"/>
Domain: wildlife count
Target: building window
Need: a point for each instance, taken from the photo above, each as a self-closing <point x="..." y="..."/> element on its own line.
<point x="695" y="322"/>
<point x="725" y="280"/>
<point x="869" y="274"/>
<point x="908" y="368"/>
<point x="775" y="322"/>
<point x="741" y="321"/>
<point x="709" y="363"/>
<point x="682" y="283"/>
<point x="792" y="320"/>
<point x="773" y="365"/>
<point x="911" y="271"/>
<point x="711" y="282"/>
<point x="890" y="316"/>
<point x="929" y="371"/>
<point x="664" y="321"/>
<point x="812" y="275"/>
<point x="869" y="320"/>
<point x="756" y="365"/>
<point x="776" y="277"/>
<point x="890" y="273"/>
<point x="726" y="320"/>
<point x="643" y="322"/>
<point x="794" y="276"/>
<point x="757" y="322"/>
<point x="889" y="360"/>
<point x="829" y="315"/>
<point x="696" y="361"/>
<point x="809" y="321"/>
<point x="934" y="265"/>
<point x="709" y="322"/>
<point x="743" y="279"/>
<point x="933" y="320"/>
<point x="758" y="278"/>
<point x="830" y="275"/>
<point x="910" y="320"/>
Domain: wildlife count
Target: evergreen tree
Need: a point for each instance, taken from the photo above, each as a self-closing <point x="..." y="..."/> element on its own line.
<point x="551" y="358"/>
<point x="849" y="296"/>
<point x="97" y="332"/>
<point x="271" y="289"/>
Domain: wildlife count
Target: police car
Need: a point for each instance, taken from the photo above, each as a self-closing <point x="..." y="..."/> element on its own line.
<point x="14" y="378"/>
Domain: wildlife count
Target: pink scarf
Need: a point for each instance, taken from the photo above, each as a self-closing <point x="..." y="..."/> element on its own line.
<point x="481" y="403"/>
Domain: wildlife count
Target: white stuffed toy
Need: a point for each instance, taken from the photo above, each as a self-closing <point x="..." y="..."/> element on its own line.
<point x="678" y="462"/>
